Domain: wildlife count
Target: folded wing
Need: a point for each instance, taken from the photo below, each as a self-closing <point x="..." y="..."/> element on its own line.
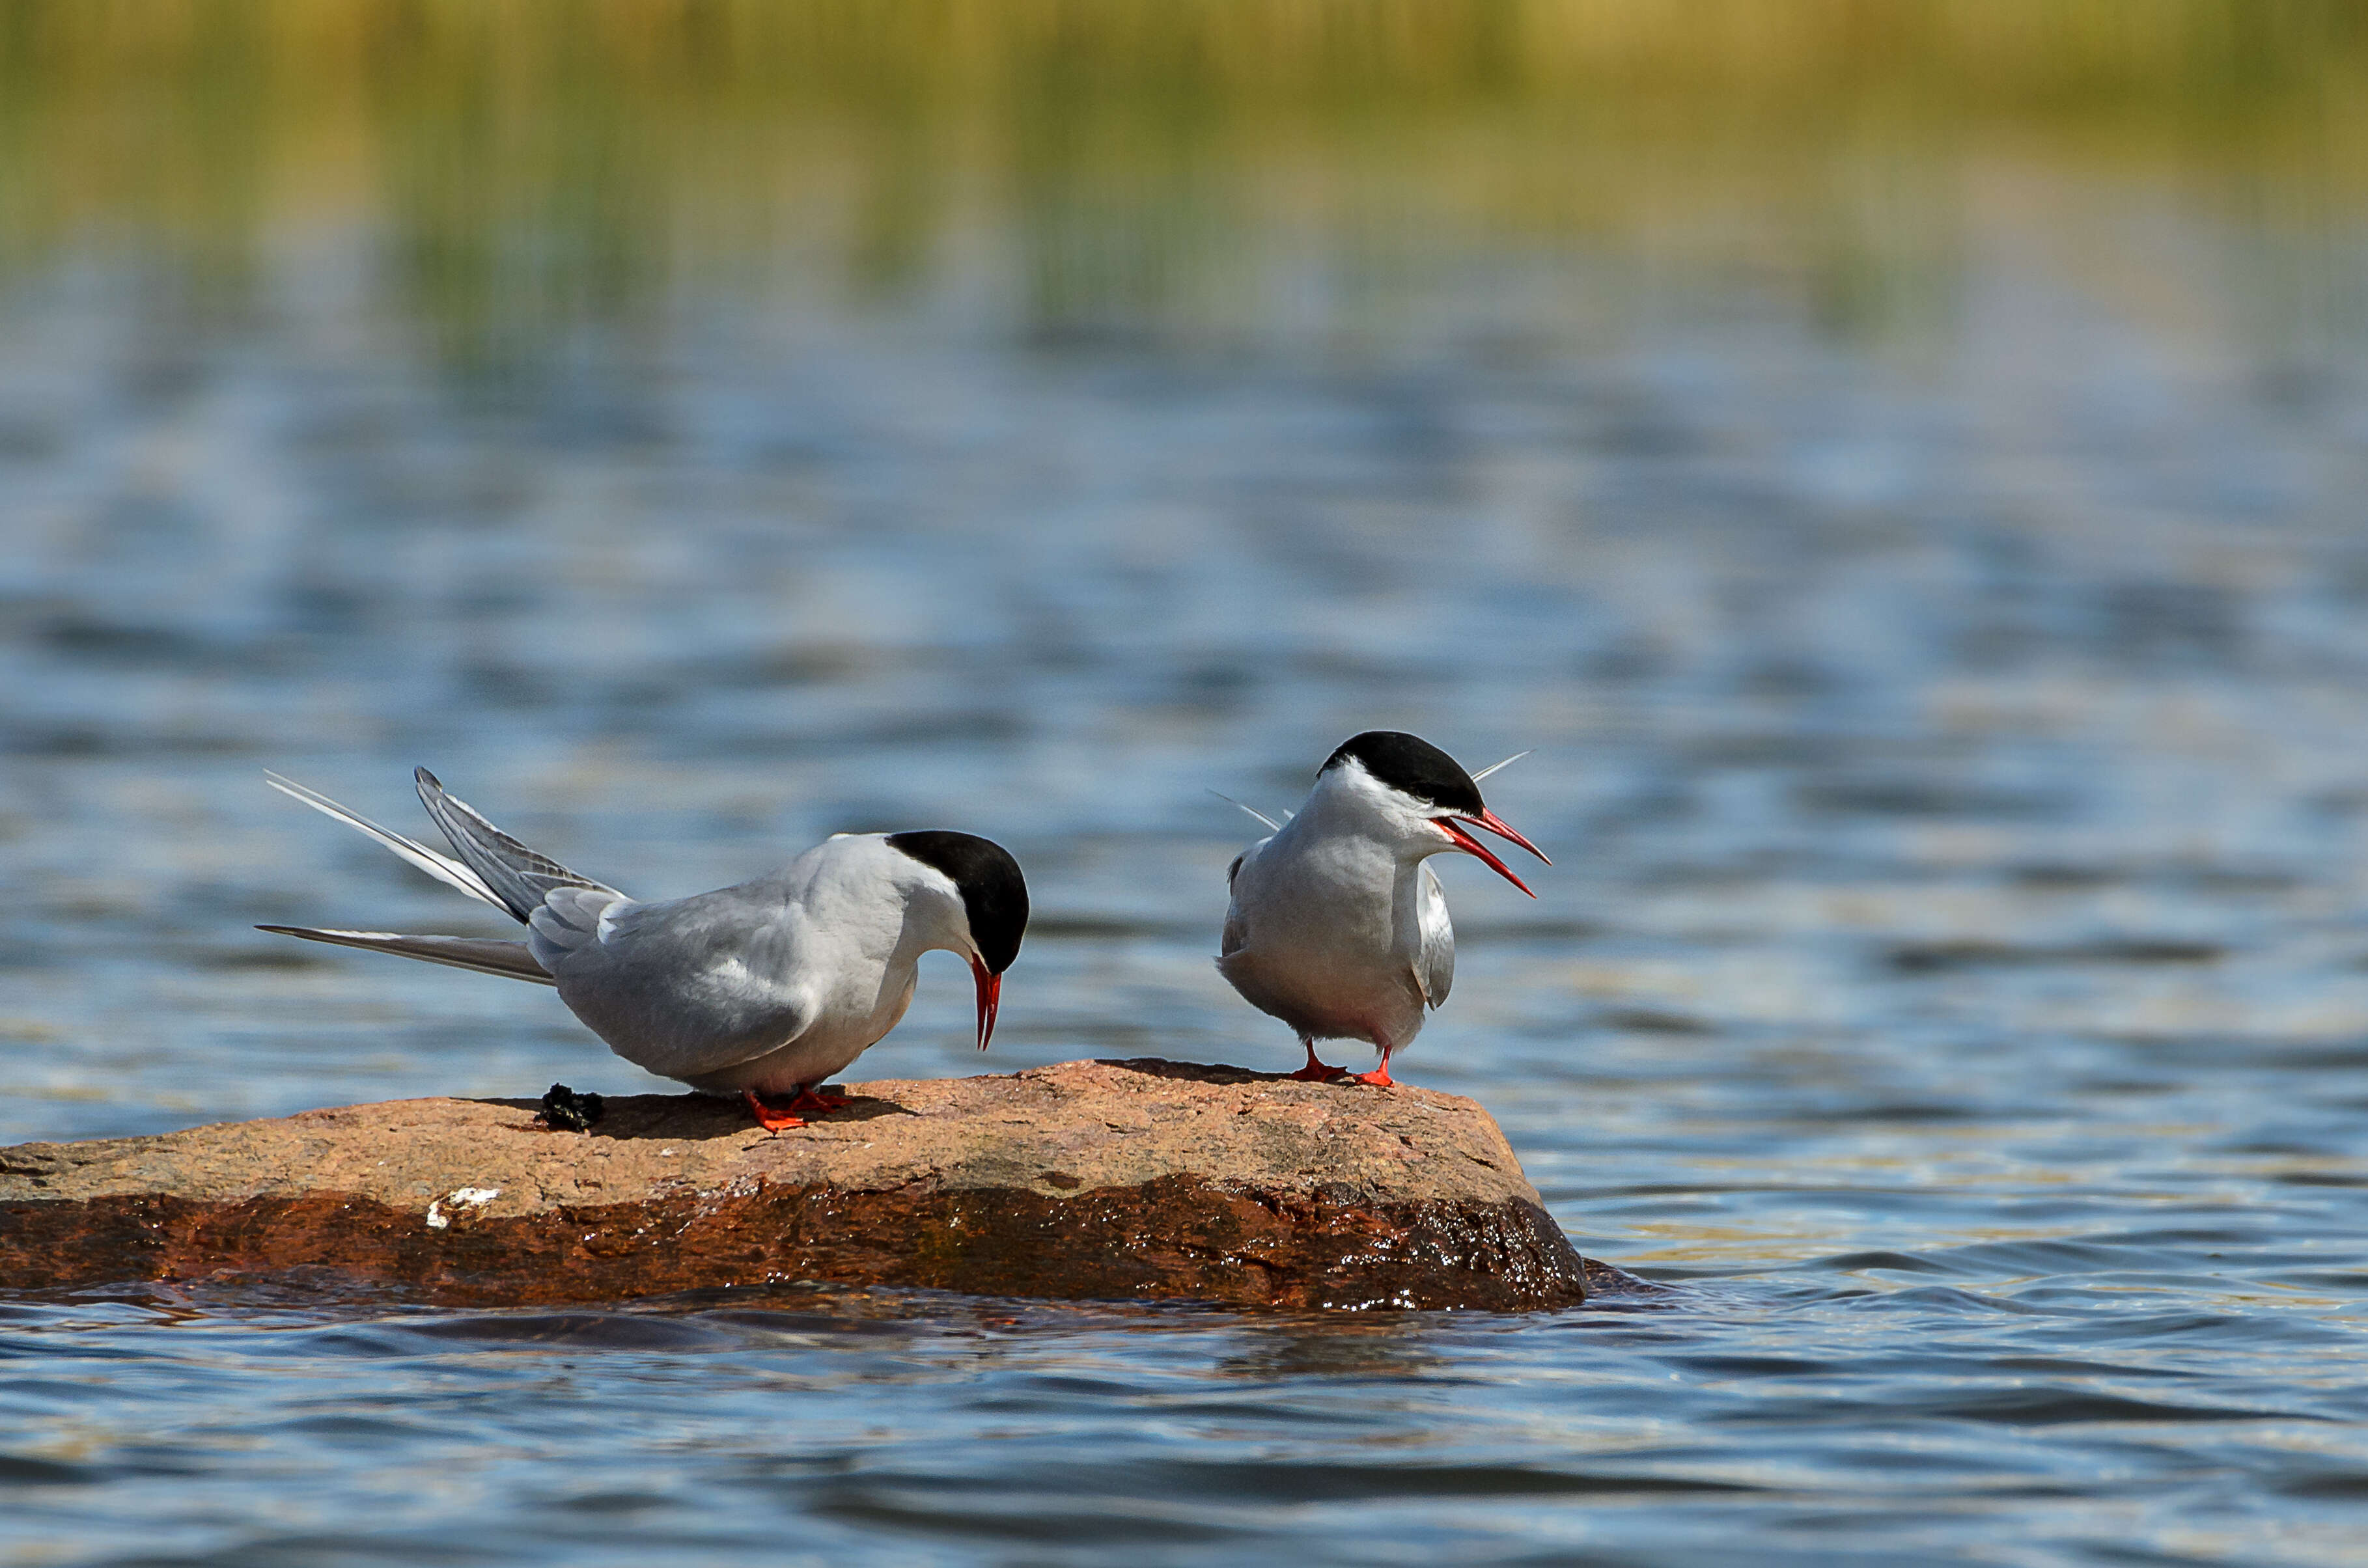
<point x="519" y="878"/>
<point x="1434" y="965"/>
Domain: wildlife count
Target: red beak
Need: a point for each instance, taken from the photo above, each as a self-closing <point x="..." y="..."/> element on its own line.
<point x="1495" y="825"/>
<point x="990" y="996"/>
<point x="1473" y="847"/>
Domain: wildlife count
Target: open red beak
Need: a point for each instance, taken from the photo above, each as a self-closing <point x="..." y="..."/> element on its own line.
<point x="1473" y="847"/>
<point x="990" y="996"/>
<point x="1495" y="825"/>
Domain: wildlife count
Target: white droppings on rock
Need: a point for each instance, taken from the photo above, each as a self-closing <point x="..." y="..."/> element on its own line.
<point x="464" y="1197"/>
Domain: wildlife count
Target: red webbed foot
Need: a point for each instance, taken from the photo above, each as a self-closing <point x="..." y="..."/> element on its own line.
<point x="770" y="1118"/>
<point x="1317" y="1071"/>
<point x="812" y="1099"/>
<point x="1379" y="1077"/>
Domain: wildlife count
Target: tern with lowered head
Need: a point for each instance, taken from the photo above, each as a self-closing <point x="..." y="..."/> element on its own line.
<point x="1336" y="926"/>
<point x="761" y="990"/>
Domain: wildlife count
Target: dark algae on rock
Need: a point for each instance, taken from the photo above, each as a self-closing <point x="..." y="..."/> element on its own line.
<point x="565" y="1110"/>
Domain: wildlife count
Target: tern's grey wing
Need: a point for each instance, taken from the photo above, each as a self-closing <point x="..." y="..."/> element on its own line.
<point x="1237" y="932"/>
<point x="1236" y="929"/>
<point x="686" y="987"/>
<point x="1434" y="964"/>
<point x="517" y="875"/>
<point x="1230" y="940"/>
<point x="510" y="960"/>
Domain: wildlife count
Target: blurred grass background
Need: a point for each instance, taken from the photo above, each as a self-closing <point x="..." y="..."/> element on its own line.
<point x="1201" y="172"/>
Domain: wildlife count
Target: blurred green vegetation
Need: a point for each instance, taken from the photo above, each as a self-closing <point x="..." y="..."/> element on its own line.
<point x="517" y="167"/>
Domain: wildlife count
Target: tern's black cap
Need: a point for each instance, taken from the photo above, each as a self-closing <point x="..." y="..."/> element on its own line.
<point x="1412" y="766"/>
<point x="994" y="893"/>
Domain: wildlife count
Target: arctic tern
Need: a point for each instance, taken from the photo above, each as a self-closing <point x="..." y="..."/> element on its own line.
<point x="1336" y="926"/>
<point x="761" y="990"/>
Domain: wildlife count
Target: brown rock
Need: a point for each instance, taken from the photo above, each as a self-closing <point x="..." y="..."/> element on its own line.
<point x="1098" y="1179"/>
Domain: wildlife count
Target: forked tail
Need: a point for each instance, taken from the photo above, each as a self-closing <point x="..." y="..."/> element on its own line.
<point x="511" y="961"/>
<point x="492" y="869"/>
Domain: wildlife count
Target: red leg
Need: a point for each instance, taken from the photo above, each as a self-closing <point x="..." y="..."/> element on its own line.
<point x="768" y="1119"/>
<point x="813" y="1099"/>
<point x="1379" y="1076"/>
<point x="1315" y="1072"/>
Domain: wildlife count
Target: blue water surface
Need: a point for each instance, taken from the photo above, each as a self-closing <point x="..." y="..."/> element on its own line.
<point x="1954" y="977"/>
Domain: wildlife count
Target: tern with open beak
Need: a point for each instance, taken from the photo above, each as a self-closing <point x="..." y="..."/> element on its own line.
<point x="1336" y="926"/>
<point x="761" y="990"/>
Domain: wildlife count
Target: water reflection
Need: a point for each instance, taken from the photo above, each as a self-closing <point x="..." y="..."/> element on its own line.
<point x="1099" y="175"/>
<point x="1388" y="1347"/>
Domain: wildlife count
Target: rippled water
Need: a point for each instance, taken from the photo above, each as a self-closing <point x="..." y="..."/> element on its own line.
<point x="1954" y="976"/>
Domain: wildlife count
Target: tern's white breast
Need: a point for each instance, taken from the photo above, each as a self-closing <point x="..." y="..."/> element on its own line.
<point x="1328" y="930"/>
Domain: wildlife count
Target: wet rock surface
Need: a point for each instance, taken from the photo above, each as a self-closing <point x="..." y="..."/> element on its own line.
<point x="1088" y="1179"/>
